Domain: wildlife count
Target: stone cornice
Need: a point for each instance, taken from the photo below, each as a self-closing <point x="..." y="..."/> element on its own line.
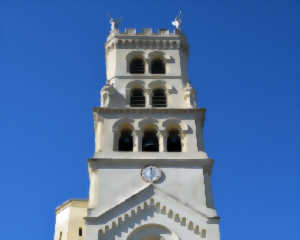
<point x="180" y="216"/>
<point x="131" y="33"/>
<point x="145" y="76"/>
<point x="146" y="40"/>
<point x="83" y="202"/>
<point x="149" y="110"/>
<point x="133" y="161"/>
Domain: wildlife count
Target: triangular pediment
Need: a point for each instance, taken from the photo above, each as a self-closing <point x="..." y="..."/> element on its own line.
<point x="144" y="205"/>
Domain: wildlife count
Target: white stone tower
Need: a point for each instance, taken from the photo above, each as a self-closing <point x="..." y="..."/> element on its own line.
<point x="150" y="175"/>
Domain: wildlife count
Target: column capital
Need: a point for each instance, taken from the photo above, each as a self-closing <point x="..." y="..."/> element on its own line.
<point x="148" y="90"/>
<point x="163" y="133"/>
<point x="138" y="133"/>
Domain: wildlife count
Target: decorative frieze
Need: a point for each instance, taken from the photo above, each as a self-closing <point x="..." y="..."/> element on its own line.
<point x="147" y="39"/>
<point x="184" y="221"/>
<point x="149" y="110"/>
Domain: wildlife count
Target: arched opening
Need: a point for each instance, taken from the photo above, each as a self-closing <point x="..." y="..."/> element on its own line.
<point x="158" y="66"/>
<point x="80" y="232"/>
<point x="150" y="141"/>
<point x="125" y="141"/>
<point x="60" y="236"/>
<point x="137" y="65"/>
<point x="152" y="232"/>
<point x="159" y="98"/>
<point x="137" y="98"/>
<point x="174" y="141"/>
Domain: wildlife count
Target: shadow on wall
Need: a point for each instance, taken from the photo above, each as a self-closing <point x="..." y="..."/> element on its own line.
<point x="117" y="100"/>
<point x="128" y="204"/>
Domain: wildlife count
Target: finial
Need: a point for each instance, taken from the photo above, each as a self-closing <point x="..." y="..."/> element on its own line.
<point x="114" y="23"/>
<point x="177" y="22"/>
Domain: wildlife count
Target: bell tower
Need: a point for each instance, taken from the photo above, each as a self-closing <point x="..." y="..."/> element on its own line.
<point x="149" y="175"/>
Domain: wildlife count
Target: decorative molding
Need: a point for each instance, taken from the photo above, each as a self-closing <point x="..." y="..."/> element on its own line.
<point x="149" y="122"/>
<point x="159" y="208"/>
<point x="69" y="202"/>
<point x="150" y="110"/>
<point x="134" y="159"/>
<point x="130" y="39"/>
<point x="145" y="76"/>
<point x="176" y="122"/>
<point x="122" y="121"/>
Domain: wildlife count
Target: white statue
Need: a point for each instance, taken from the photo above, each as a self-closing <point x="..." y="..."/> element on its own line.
<point x="114" y="23"/>
<point x="177" y="22"/>
<point x="106" y="93"/>
<point x="190" y="95"/>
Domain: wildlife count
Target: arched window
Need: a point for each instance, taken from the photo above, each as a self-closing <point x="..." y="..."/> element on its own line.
<point x="174" y="141"/>
<point x="125" y="141"/>
<point x="159" y="98"/>
<point x="152" y="232"/>
<point x="137" y="65"/>
<point x="137" y="98"/>
<point x="150" y="141"/>
<point x="158" y="66"/>
<point x="80" y="232"/>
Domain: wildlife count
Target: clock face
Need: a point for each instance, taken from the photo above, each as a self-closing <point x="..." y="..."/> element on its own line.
<point x="151" y="174"/>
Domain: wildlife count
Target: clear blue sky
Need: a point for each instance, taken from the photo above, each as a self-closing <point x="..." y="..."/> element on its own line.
<point x="244" y="63"/>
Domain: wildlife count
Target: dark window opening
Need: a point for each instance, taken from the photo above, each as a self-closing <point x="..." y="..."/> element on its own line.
<point x="150" y="142"/>
<point x="60" y="236"/>
<point x="174" y="142"/>
<point x="137" y="66"/>
<point x="158" y="67"/>
<point x="125" y="141"/>
<point x="80" y="232"/>
<point x="137" y="98"/>
<point x="159" y="98"/>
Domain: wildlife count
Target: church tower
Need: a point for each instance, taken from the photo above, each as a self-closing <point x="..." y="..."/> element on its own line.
<point x="150" y="175"/>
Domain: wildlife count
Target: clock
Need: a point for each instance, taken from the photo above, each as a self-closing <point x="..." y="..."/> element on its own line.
<point x="151" y="174"/>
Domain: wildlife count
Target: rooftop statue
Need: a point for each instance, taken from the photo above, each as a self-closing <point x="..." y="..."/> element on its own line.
<point x="177" y="22"/>
<point x="114" y="23"/>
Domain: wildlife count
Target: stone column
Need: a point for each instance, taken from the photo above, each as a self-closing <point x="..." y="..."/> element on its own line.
<point x="137" y="141"/>
<point x="147" y="66"/>
<point x="163" y="136"/>
<point x="183" y="142"/>
<point x="148" y="97"/>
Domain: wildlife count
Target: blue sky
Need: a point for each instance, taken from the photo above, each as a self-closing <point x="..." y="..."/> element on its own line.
<point x="244" y="64"/>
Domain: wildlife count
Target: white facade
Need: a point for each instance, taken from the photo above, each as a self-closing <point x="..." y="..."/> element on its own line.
<point x="123" y="204"/>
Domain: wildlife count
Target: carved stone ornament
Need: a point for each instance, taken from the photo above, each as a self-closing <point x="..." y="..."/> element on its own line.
<point x="114" y="23"/>
<point x="190" y="95"/>
<point x="177" y="22"/>
<point x="106" y="93"/>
